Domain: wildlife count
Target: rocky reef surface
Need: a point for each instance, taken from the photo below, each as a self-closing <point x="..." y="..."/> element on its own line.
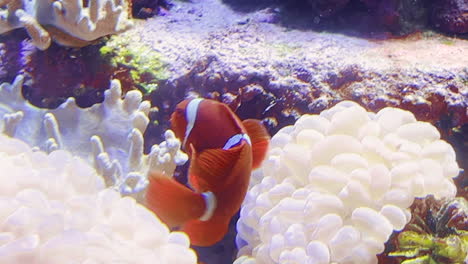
<point x="277" y="73"/>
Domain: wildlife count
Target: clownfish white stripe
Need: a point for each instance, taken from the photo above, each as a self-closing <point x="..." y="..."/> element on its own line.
<point x="235" y="140"/>
<point x="210" y="201"/>
<point x="191" y="116"/>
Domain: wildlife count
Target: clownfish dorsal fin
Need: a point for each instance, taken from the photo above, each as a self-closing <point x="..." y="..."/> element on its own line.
<point x="191" y="116"/>
<point x="210" y="168"/>
<point x="260" y="140"/>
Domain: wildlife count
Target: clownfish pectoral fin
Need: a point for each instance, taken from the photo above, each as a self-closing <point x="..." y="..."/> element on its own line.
<point x="260" y="140"/>
<point x="173" y="202"/>
<point x="210" y="168"/>
<point x="206" y="233"/>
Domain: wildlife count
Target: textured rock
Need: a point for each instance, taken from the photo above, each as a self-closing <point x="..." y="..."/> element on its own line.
<point x="375" y="18"/>
<point x="450" y="15"/>
<point x="327" y="8"/>
<point x="79" y="73"/>
<point x="218" y="53"/>
<point x="149" y="8"/>
<point x="82" y="73"/>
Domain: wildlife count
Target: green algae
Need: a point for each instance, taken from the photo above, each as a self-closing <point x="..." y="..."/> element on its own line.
<point x="436" y="235"/>
<point x="427" y="248"/>
<point x="142" y="65"/>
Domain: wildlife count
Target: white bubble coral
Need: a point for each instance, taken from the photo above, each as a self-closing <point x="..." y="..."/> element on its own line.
<point x="334" y="186"/>
<point x="54" y="209"/>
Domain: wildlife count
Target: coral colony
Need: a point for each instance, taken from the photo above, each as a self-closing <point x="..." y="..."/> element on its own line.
<point x="334" y="186"/>
<point x="54" y="208"/>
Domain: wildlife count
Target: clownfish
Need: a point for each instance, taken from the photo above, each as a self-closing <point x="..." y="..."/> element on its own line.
<point x="223" y="150"/>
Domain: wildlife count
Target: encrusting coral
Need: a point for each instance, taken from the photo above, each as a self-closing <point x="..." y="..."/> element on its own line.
<point x="70" y="23"/>
<point x="335" y="186"/>
<point x="54" y="209"/>
<point x="108" y="135"/>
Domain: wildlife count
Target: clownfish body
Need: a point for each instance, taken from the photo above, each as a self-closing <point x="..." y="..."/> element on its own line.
<point x="223" y="151"/>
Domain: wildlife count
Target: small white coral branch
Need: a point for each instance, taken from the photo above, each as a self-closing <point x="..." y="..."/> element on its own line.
<point x="101" y="18"/>
<point x="164" y="158"/>
<point x="167" y="155"/>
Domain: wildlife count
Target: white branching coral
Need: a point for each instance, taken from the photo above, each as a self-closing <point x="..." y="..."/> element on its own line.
<point x="108" y="135"/>
<point x="166" y="156"/>
<point x="69" y="23"/>
<point x="54" y="209"/>
<point x="334" y="186"/>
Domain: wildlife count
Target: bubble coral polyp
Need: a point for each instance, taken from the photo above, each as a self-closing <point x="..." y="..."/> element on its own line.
<point x="54" y="208"/>
<point x="334" y="186"/>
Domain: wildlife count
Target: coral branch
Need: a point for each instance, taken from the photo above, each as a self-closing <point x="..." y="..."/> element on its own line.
<point x="66" y="22"/>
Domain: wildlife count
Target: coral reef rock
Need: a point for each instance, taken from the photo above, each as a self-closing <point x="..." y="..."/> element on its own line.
<point x="302" y="71"/>
<point x="70" y="23"/>
<point x="450" y="15"/>
<point x="327" y="8"/>
<point x="79" y="73"/>
<point x="54" y="209"/>
<point x="334" y="186"/>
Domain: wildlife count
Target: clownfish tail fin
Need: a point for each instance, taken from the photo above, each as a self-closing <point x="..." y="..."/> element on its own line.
<point x="260" y="140"/>
<point x="173" y="202"/>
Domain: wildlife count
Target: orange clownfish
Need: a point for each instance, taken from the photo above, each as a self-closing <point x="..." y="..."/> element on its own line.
<point x="223" y="150"/>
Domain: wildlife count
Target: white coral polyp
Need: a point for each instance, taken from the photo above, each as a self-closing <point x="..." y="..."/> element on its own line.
<point x="108" y="135"/>
<point x="54" y="209"/>
<point x="334" y="186"/>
